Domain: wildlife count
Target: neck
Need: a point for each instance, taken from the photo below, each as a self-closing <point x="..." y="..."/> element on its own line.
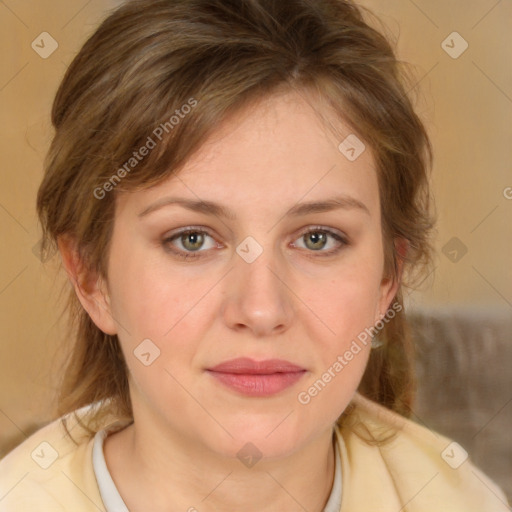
<point x="176" y="473"/>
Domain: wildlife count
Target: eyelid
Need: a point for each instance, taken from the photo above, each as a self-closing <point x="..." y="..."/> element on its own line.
<point x="326" y="229"/>
<point x="188" y="229"/>
<point x="167" y="239"/>
<point x="339" y="236"/>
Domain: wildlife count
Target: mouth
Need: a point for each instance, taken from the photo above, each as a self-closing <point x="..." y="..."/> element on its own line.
<point x="257" y="378"/>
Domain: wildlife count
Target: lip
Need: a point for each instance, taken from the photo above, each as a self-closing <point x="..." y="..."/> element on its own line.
<point x="257" y="378"/>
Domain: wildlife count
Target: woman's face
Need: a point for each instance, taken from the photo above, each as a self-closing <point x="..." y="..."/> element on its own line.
<point x="248" y="281"/>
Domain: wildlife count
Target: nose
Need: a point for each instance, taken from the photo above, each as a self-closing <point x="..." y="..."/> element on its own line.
<point x="257" y="298"/>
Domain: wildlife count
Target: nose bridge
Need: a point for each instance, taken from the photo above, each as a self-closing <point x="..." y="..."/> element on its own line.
<point x="257" y="299"/>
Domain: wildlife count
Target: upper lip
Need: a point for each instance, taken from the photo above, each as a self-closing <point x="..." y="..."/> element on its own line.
<point x="245" y="365"/>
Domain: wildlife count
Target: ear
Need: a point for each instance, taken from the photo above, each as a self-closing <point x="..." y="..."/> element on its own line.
<point x="389" y="285"/>
<point x="90" y="288"/>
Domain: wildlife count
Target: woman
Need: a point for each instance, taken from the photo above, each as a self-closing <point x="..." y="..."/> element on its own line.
<point x="239" y="192"/>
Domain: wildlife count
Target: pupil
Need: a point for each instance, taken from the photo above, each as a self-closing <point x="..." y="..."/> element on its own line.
<point x="195" y="239"/>
<point x="317" y="237"/>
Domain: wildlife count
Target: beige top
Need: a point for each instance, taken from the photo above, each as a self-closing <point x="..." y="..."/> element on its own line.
<point x="414" y="470"/>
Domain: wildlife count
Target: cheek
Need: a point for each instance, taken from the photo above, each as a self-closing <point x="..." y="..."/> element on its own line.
<point x="346" y="303"/>
<point x="343" y="343"/>
<point x="152" y="303"/>
<point x="164" y="309"/>
<point x="144" y="297"/>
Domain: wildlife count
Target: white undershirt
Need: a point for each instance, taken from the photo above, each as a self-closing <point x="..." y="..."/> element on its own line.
<point x="114" y="503"/>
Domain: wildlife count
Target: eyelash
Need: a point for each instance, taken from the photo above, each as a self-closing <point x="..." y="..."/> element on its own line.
<point x="193" y="255"/>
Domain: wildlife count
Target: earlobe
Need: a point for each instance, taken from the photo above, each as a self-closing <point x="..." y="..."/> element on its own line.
<point x="390" y="285"/>
<point x="388" y="289"/>
<point x="89" y="287"/>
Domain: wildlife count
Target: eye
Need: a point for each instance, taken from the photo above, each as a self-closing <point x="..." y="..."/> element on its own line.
<point x="317" y="239"/>
<point x="190" y="241"/>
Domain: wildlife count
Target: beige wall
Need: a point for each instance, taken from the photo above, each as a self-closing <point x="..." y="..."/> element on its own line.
<point x="467" y="104"/>
<point x="468" y="107"/>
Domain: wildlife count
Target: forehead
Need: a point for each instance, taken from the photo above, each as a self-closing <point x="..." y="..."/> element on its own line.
<point x="272" y="154"/>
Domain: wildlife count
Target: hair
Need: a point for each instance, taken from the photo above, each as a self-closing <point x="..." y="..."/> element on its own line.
<point x="179" y="68"/>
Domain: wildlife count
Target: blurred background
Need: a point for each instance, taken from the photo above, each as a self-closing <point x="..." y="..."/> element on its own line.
<point x="462" y="312"/>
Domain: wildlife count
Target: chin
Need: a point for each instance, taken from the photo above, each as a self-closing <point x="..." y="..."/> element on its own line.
<point x="252" y="449"/>
<point x="257" y="437"/>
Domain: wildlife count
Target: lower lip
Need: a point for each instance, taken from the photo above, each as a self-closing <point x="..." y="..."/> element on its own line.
<point x="258" y="385"/>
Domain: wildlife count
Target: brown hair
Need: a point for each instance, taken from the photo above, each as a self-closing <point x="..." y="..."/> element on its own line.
<point x="151" y="58"/>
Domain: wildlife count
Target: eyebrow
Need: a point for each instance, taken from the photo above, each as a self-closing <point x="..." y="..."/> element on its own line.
<point x="210" y="208"/>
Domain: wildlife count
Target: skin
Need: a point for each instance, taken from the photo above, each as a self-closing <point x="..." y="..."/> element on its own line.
<point x="291" y="303"/>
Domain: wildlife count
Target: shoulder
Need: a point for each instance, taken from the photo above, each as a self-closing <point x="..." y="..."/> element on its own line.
<point x="50" y="471"/>
<point x="425" y="468"/>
